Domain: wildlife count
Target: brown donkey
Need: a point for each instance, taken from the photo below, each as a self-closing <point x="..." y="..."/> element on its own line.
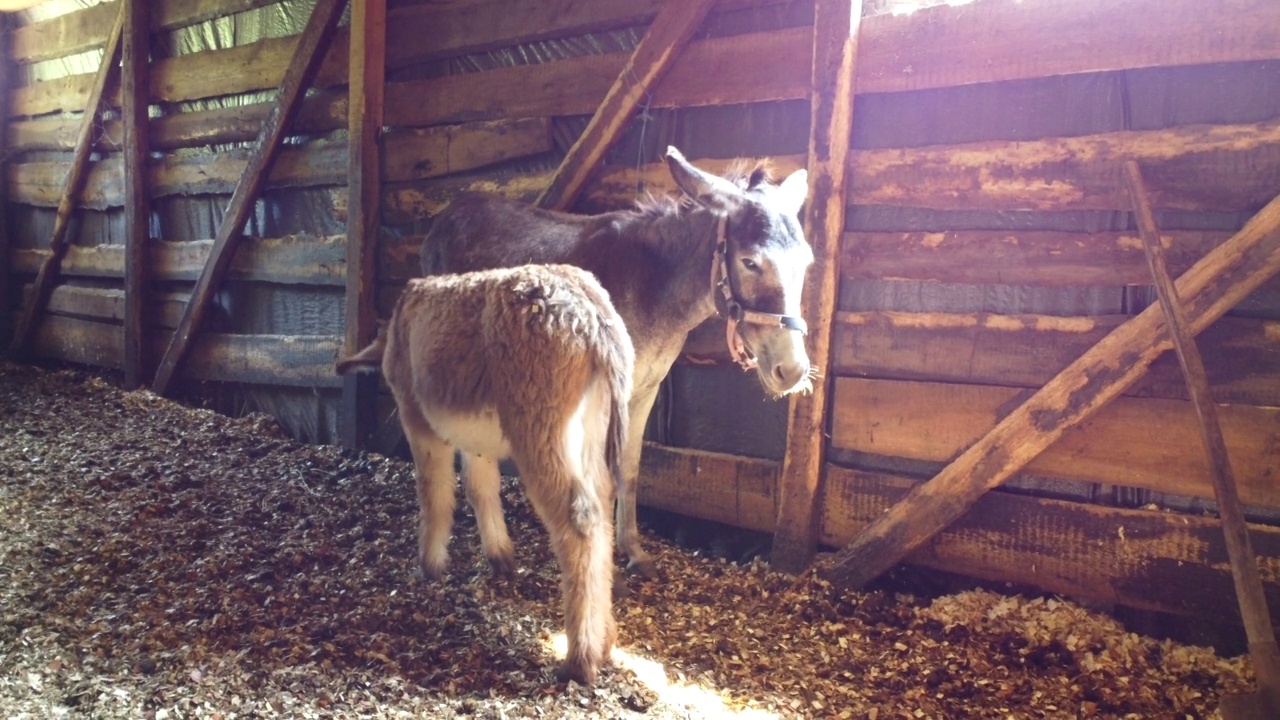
<point x="734" y="247"/>
<point x="531" y="363"/>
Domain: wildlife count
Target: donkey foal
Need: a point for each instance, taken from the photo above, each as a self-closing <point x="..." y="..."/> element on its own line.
<point x="531" y="363"/>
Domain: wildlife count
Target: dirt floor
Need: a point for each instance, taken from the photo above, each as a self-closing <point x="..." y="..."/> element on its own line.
<point x="163" y="562"/>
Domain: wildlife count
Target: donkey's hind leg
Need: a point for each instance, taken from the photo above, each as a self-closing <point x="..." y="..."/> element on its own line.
<point x="484" y="484"/>
<point x="433" y="463"/>
<point x="571" y="490"/>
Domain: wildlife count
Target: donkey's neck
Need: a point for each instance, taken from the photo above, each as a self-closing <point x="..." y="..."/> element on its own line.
<point x="686" y="242"/>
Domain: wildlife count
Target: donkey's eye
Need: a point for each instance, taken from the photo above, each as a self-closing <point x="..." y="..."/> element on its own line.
<point x="750" y="264"/>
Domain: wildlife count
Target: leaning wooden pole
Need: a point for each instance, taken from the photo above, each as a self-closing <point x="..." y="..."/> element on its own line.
<point x="135" y="99"/>
<point x="364" y="219"/>
<point x="835" y="56"/>
<point x="7" y="245"/>
<point x="670" y="31"/>
<point x="24" y="332"/>
<point x="302" y="69"/>
<point x="1211" y="287"/>
<point x="1250" y="595"/>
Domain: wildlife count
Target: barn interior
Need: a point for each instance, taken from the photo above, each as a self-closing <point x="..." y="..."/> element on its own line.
<point x="1047" y="233"/>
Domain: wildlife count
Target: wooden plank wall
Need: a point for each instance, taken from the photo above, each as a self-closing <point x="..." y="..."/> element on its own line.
<point x="912" y="386"/>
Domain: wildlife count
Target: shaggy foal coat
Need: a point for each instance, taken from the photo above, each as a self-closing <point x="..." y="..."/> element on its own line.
<point x="531" y="363"/>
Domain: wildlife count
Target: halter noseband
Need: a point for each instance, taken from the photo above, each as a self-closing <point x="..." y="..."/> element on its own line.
<point x="729" y="307"/>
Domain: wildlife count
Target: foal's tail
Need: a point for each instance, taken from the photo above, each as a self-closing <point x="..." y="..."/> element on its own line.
<point x="367" y="360"/>
<point x="617" y="359"/>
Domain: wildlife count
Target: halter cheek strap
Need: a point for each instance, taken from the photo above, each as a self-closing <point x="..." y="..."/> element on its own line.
<point x="730" y="308"/>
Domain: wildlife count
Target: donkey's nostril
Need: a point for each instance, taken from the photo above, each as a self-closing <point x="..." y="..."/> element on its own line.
<point x="788" y="375"/>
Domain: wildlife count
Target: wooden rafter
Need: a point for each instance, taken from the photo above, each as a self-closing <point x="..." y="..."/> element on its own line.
<point x="835" y="54"/>
<point x="671" y="30"/>
<point x="1244" y="566"/>
<point x="1211" y="287"/>
<point x="137" y="218"/>
<point x="71" y="188"/>
<point x="306" y="61"/>
<point x="364" y="192"/>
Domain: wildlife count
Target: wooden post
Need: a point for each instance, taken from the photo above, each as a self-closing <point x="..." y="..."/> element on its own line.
<point x="671" y="30"/>
<point x="835" y="55"/>
<point x="6" y="242"/>
<point x="136" y="98"/>
<point x="71" y="188"/>
<point x="302" y="69"/>
<point x="1244" y="568"/>
<point x="1212" y="286"/>
<point x="364" y="192"/>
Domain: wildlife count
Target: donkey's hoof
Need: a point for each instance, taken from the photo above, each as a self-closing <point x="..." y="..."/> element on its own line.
<point x="579" y="672"/>
<point x="503" y="566"/>
<point x="644" y="567"/>
<point x="428" y="573"/>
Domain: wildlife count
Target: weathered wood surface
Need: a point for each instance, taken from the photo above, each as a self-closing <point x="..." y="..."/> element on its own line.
<point x="297" y="78"/>
<point x="81" y="30"/>
<point x="291" y="260"/>
<point x="1160" y="561"/>
<point x="1214" y="285"/>
<point x="411" y="155"/>
<point x="662" y="43"/>
<point x="281" y="360"/>
<point x="997" y="40"/>
<point x="70" y="189"/>
<point x="368" y="60"/>
<point x="1243" y="354"/>
<point x="1199" y="167"/>
<point x="135" y="62"/>
<point x="835" y="60"/>
<point x="1016" y="257"/>
<point x="107" y="304"/>
<point x="1137" y="442"/>
<point x="928" y="49"/>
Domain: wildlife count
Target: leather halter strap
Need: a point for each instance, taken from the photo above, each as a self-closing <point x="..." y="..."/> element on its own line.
<point x="729" y="307"/>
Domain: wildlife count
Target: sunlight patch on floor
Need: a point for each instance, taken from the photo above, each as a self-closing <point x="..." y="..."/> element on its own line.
<point x="703" y="700"/>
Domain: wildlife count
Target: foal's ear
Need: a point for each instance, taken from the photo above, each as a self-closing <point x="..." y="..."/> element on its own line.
<point x="711" y="191"/>
<point x="793" y="191"/>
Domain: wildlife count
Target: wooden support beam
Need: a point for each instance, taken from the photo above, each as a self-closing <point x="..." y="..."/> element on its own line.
<point x="364" y="219"/>
<point x="6" y="241"/>
<point x="835" y="56"/>
<point x="671" y="30"/>
<point x="306" y="61"/>
<point x="1211" y="287"/>
<point x="1263" y="649"/>
<point x="136" y="58"/>
<point x="71" y="187"/>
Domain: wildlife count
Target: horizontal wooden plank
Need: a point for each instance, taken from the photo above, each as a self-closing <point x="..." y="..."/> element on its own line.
<point x="83" y="30"/>
<point x="107" y="304"/>
<point x="1161" y="561"/>
<point x="997" y="40"/>
<point x="289" y="260"/>
<point x="1135" y="442"/>
<point x="1242" y="354"/>
<point x="414" y="154"/>
<point x="300" y="361"/>
<point x="1202" y="167"/>
<point x="1154" y="560"/>
<point x="1017" y="257"/>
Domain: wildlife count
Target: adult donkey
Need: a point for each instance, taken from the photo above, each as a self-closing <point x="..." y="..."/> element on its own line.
<point x="736" y="249"/>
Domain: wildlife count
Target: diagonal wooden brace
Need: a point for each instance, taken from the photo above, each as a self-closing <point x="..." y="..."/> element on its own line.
<point x="1244" y="569"/>
<point x="307" y="57"/>
<point x="108" y="71"/>
<point x="1211" y="287"/>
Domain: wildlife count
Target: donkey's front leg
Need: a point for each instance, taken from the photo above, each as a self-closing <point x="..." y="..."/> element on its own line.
<point x="433" y="465"/>
<point x="483" y="482"/>
<point x="628" y="534"/>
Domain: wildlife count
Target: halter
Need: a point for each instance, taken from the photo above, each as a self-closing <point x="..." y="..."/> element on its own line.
<point x="729" y="307"/>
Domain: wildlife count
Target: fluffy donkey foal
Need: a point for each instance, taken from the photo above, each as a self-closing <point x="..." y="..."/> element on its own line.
<point x="531" y="363"/>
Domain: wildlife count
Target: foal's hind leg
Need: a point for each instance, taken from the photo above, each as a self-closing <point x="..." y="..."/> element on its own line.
<point x="433" y="463"/>
<point x="484" y="483"/>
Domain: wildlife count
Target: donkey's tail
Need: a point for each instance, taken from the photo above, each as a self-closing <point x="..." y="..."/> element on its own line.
<point x="367" y="360"/>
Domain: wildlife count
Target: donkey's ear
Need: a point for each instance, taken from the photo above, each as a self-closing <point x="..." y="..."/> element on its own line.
<point x="711" y="191"/>
<point x="793" y="191"/>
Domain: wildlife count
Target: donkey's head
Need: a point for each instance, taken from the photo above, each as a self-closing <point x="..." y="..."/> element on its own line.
<point x="759" y="269"/>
